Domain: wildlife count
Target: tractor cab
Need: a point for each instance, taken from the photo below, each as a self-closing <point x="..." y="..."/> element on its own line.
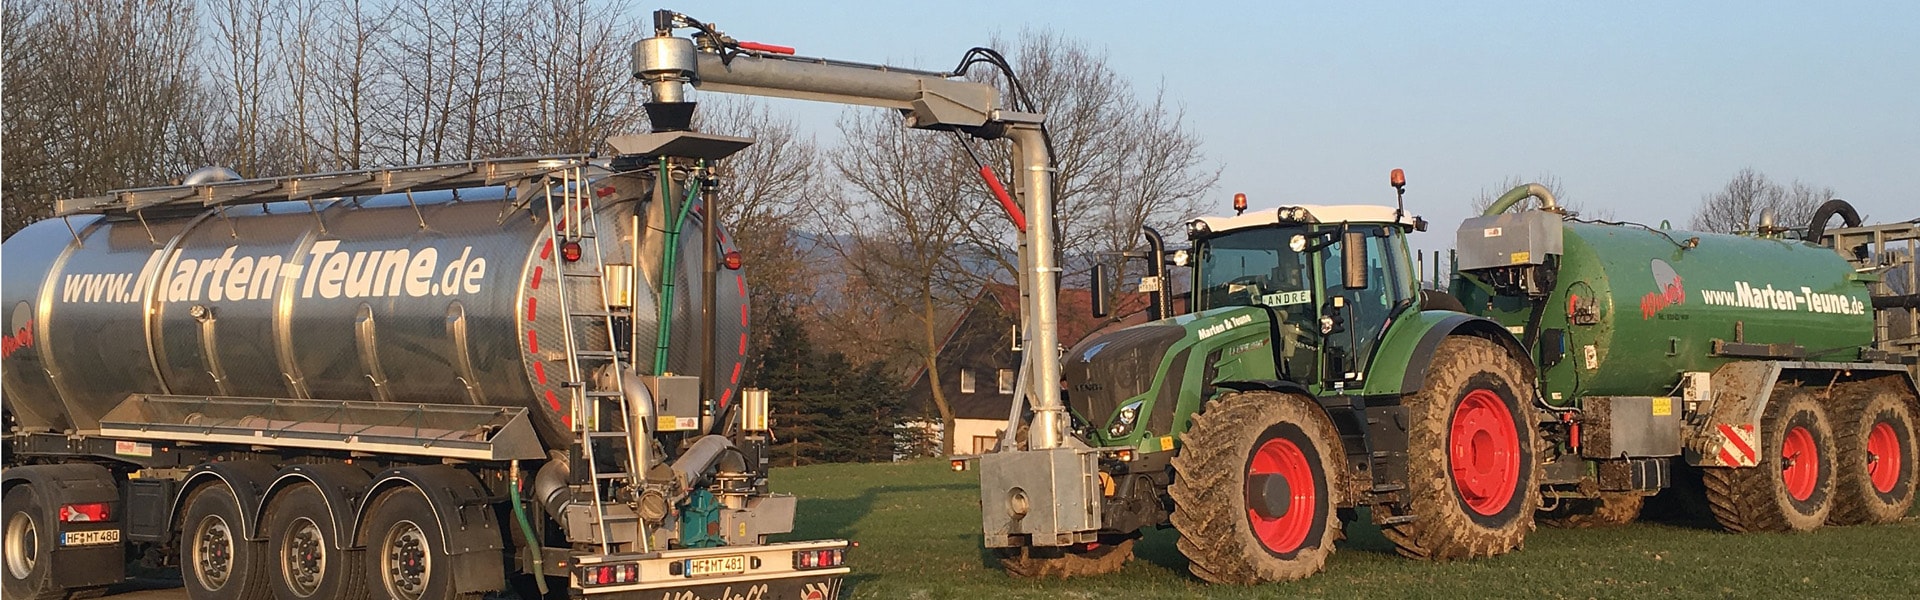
<point x="1333" y="276"/>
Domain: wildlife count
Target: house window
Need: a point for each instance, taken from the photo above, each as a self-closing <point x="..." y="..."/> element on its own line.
<point x="966" y="381"/>
<point x="983" y="444"/>
<point x="1006" y="382"/>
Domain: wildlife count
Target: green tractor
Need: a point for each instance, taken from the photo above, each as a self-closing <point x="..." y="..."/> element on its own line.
<point x="1313" y="376"/>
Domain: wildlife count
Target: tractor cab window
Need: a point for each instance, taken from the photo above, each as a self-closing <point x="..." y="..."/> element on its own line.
<point x="1363" y="312"/>
<point x="1257" y="267"/>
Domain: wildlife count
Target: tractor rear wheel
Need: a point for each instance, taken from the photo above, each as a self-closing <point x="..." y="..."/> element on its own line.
<point x="1792" y="489"/>
<point x="1610" y="509"/>
<point x="1875" y="437"/>
<point x="1074" y="561"/>
<point x="1472" y="475"/>
<point x="1255" y="488"/>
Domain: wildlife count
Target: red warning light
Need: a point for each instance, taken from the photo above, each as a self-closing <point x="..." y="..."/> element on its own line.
<point x="570" y="251"/>
<point x="733" y="260"/>
<point x="1239" y="203"/>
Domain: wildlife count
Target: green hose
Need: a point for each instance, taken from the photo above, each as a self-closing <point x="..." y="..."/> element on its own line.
<point x="1518" y="193"/>
<point x="667" y="260"/>
<point x="526" y="527"/>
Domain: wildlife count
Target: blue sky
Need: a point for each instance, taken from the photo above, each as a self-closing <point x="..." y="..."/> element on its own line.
<point x="1641" y="107"/>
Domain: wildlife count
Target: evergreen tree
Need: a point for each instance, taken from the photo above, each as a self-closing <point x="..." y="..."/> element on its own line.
<point x="826" y="409"/>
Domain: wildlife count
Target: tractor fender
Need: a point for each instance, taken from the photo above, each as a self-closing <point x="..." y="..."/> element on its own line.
<point x="1730" y="434"/>
<point x="248" y="479"/>
<point x="341" y="486"/>
<point x="1419" y="334"/>
<point x="460" y="503"/>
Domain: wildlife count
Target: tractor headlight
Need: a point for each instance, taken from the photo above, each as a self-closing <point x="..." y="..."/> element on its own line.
<point x="1124" y="421"/>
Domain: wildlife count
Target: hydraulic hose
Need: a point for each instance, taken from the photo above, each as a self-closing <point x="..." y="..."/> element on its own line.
<point x="668" y="256"/>
<point x="526" y="527"/>
<point x="1824" y="214"/>
<point x="1518" y="193"/>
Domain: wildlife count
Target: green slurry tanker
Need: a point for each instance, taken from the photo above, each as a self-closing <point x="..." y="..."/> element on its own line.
<point x="1574" y="369"/>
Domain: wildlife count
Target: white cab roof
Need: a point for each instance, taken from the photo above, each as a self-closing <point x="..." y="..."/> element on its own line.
<point x="1320" y="213"/>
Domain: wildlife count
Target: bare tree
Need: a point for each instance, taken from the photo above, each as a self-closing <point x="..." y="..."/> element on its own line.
<point x="577" y="75"/>
<point x="903" y="238"/>
<point x="1122" y="161"/>
<point x="96" y="98"/>
<point x="1738" y="206"/>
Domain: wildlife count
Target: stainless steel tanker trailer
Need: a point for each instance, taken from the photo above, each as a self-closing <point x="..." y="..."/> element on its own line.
<point x="419" y="382"/>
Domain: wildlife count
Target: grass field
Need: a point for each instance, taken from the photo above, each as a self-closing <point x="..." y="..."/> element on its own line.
<point x="918" y="526"/>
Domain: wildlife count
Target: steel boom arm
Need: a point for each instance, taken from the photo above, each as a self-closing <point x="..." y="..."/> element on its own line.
<point x="929" y="100"/>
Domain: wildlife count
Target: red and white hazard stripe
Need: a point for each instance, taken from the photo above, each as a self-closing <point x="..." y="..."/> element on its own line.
<point x="1739" y="446"/>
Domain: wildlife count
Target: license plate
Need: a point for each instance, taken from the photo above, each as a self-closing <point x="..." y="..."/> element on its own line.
<point x="718" y="565"/>
<point x="90" y="538"/>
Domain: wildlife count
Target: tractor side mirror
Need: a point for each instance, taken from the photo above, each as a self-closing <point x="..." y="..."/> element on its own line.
<point x="1102" y="297"/>
<point x="1354" y="254"/>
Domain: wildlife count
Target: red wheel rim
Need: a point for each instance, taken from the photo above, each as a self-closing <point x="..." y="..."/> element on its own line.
<point x="1280" y="456"/>
<point x="1883" y="457"/>
<point x="1484" y="447"/>
<point x="1799" y="463"/>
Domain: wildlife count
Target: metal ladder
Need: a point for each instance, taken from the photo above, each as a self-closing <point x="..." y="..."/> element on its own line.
<point x="574" y="219"/>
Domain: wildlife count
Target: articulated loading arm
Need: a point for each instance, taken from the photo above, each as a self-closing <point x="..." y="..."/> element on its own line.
<point x="1047" y="494"/>
<point x="711" y="61"/>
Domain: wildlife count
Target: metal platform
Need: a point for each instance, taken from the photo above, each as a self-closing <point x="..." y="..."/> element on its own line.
<point x="442" y="430"/>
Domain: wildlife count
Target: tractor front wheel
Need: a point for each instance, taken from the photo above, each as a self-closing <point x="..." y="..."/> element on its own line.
<point x="1254" y="489"/>
<point x="1472" y="476"/>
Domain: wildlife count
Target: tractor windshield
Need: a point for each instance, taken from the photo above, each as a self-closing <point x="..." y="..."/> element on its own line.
<point x="1255" y="267"/>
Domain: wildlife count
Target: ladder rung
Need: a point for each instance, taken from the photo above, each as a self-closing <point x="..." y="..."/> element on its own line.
<point x="592" y="275"/>
<point x="610" y="476"/>
<point x="601" y="314"/>
<point x="596" y="354"/>
<point x="607" y="434"/>
<point x="604" y="394"/>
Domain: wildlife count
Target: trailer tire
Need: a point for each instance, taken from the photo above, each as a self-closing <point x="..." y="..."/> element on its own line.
<point x="1610" y="509"/>
<point x="1784" y="492"/>
<point x="1243" y="447"/>
<point x="217" y="562"/>
<point x="1475" y="404"/>
<point x="1875" y="438"/>
<point x="403" y="558"/>
<point x="300" y="536"/>
<point x="1032" y="562"/>
<point x="30" y="528"/>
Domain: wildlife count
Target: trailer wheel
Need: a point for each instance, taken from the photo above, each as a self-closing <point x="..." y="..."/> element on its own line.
<point x="29" y="547"/>
<point x="1472" y="476"/>
<point x="1254" y="487"/>
<point x="1096" y="559"/>
<point x="307" y="560"/>
<point x="216" y="560"/>
<point x="1610" y="509"/>
<point x="404" y="560"/>
<point x="1792" y="488"/>
<point x="1877" y="461"/>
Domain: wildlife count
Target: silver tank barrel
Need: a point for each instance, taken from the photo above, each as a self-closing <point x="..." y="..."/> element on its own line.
<point x="447" y="299"/>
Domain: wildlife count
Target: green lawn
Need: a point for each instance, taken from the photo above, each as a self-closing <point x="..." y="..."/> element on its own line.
<point x="918" y="526"/>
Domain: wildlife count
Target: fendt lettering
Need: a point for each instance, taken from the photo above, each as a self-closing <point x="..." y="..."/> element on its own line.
<point x="399" y="272"/>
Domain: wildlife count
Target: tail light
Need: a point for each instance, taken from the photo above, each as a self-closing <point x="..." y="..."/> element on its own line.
<point x="819" y="559"/>
<point x="610" y="574"/>
<point x="85" y="513"/>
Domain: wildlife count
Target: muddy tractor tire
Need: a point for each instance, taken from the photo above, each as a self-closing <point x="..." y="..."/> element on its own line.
<point x="1255" y="489"/>
<point x="1064" y="563"/>
<point x="1792" y="489"/>
<point x="1610" y="509"/>
<point x="1877" y="461"/>
<point x="1472" y="469"/>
